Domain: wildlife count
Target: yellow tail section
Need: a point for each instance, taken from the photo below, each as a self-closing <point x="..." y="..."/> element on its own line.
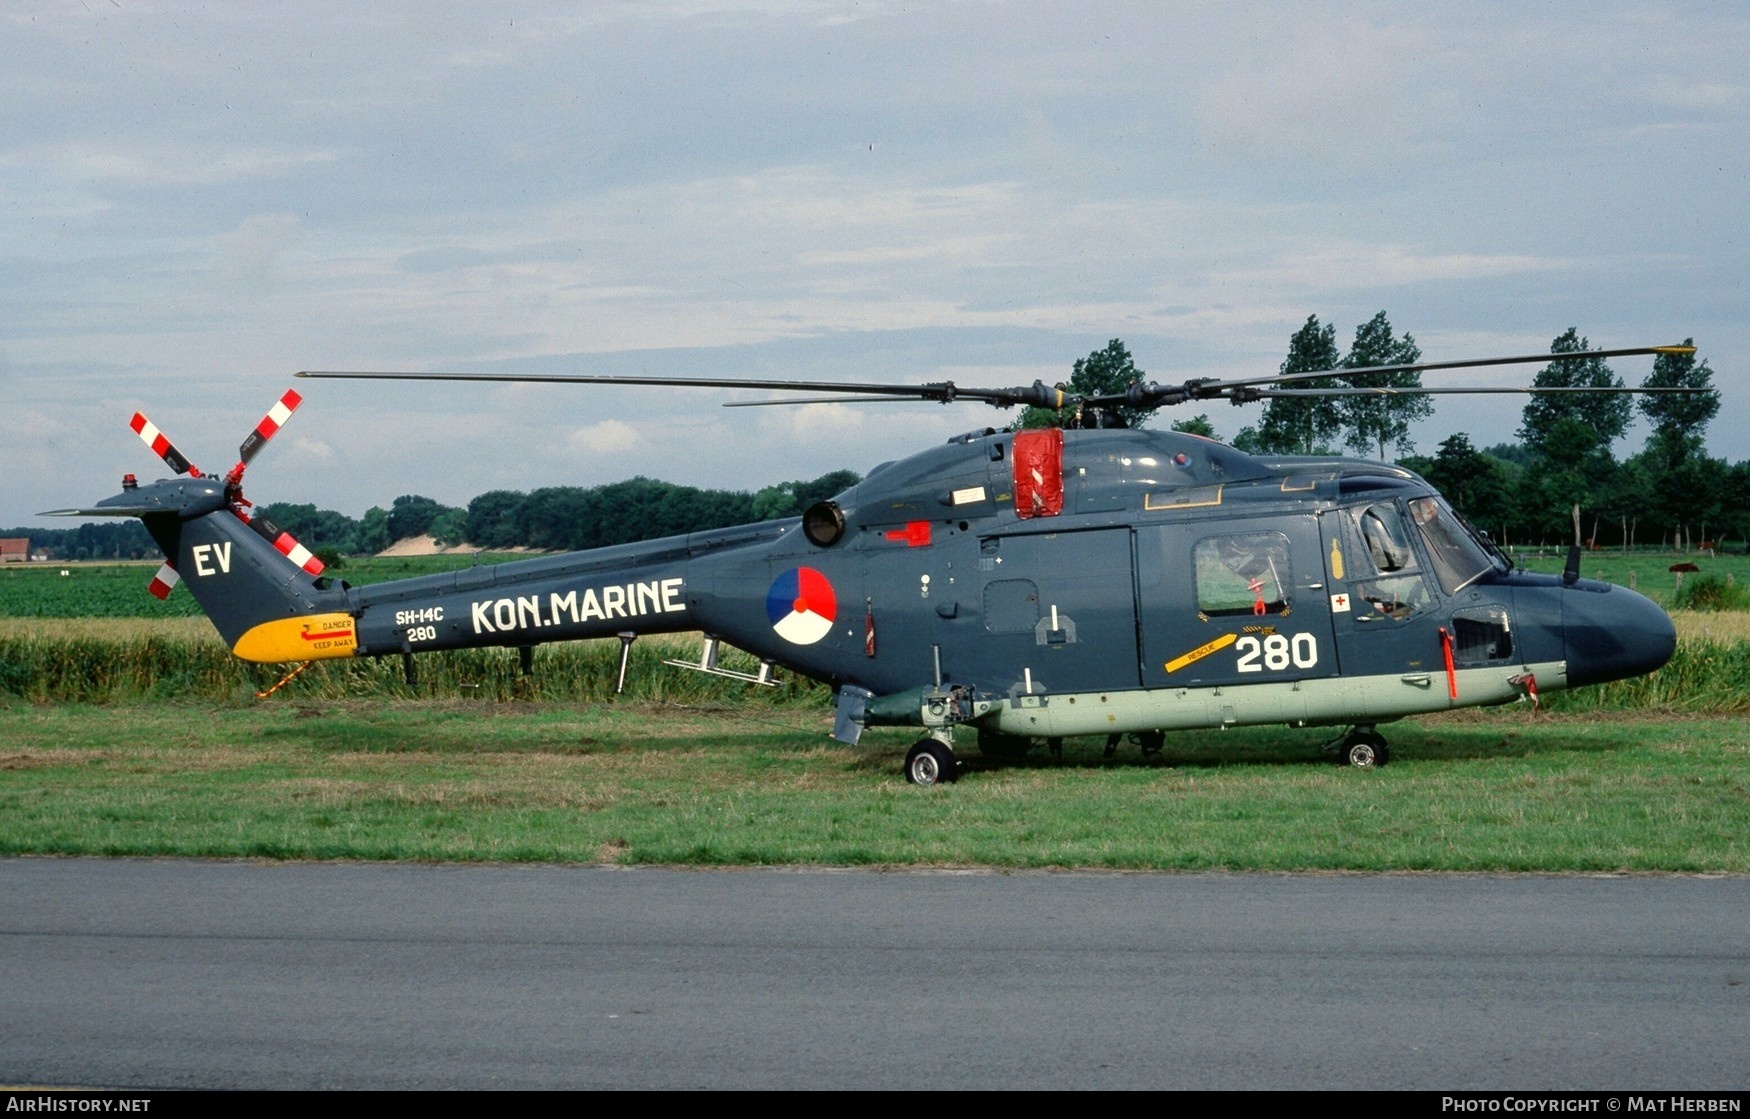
<point x="312" y="637"/>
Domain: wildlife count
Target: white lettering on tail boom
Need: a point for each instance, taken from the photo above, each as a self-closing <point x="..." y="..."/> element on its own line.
<point x="628" y="600"/>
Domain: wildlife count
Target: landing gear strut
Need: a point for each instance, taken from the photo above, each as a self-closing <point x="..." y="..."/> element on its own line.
<point x="1363" y="747"/>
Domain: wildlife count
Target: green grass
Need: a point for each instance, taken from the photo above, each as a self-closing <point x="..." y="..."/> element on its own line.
<point x="128" y="661"/>
<point x="671" y="784"/>
<point x="1712" y="593"/>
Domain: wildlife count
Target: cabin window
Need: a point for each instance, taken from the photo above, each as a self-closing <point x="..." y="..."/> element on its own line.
<point x="1242" y="574"/>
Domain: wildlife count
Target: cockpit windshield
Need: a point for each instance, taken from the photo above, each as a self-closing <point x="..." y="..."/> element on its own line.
<point x="1457" y="558"/>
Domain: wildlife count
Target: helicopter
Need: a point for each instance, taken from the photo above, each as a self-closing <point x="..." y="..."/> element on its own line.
<point x="1025" y="586"/>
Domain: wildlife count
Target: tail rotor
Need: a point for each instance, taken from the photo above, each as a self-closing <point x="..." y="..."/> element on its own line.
<point x="161" y="446"/>
<point x="167" y="577"/>
<point x="269" y="426"/>
<point x="164" y="582"/>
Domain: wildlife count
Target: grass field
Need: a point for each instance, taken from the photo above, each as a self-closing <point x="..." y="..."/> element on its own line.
<point x="667" y="783"/>
<point x="1647" y="572"/>
<point x="182" y="660"/>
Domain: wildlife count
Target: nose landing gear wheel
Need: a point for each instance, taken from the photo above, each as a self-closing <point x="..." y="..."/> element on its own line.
<point x="929" y="762"/>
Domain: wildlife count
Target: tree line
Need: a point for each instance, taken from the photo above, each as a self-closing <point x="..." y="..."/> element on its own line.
<point x="558" y="518"/>
<point x="1671" y="492"/>
<point x="1561" y="482"/>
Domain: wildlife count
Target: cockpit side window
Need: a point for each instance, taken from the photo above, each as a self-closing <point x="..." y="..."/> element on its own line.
<point x="1454" y="554"/>
<point x="1382" y="530"/>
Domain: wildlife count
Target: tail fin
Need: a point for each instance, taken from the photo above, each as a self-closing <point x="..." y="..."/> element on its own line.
<point x="266" y="607"/>
<point x="263" y="598"/>
<point x="257" y="584"/>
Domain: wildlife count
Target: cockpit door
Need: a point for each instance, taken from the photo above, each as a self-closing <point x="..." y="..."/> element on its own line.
<point x="1382" y="605"/>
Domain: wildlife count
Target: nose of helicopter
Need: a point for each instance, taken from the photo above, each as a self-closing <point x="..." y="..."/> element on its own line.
<point x="1612" y="633"/>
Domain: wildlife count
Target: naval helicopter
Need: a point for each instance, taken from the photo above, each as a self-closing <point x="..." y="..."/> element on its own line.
<point x="1018" y="586"/>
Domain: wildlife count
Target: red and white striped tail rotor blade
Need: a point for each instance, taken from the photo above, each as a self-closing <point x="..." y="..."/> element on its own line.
<point x="297" y="553"/>
<point x="161" y="446"/>
<point x="274" y="420"/>
<point x="164" y="582"/>
<point x="284" y="544"/>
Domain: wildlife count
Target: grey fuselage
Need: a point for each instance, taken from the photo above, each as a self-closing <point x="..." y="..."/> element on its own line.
<point x="1163" y="580"/>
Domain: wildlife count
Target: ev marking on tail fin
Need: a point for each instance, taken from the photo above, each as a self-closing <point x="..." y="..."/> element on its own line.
<point x="205" y="555"/>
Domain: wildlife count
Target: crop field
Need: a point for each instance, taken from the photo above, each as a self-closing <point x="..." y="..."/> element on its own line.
<point x="124" y="731"/>
<point x="118" y="590"/>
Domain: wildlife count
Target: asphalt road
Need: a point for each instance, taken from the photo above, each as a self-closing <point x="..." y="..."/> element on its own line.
<point x="185" y="974"/>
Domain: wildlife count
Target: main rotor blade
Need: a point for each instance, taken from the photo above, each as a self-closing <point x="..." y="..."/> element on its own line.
<point x="1241" y="389"/>
<point x="944" y="391"/>
<point x="1245" y="395"/>
<point x="1472" y="363"/>
<point x="820" y="400"/>
<point x="619" y="379"/>
<point x="1138" y="395"/>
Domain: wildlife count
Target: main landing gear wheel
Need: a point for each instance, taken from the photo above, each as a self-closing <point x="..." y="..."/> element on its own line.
<point x="1363" y="748"/>
<point x="929" y="762"/>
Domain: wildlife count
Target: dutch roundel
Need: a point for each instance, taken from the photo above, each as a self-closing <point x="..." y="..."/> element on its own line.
<point x="801" y="605"/>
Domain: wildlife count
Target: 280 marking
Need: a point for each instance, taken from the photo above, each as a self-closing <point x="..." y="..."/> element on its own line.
<point x="1277" y="652"/>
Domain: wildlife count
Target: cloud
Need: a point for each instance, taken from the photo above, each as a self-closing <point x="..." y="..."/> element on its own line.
<point x="609" y="437"/>
<point x="164" y="164"/>
<point x="1358" y="264"/>
<point x="442" y="259"/>
<point x="196" y="201"/>
<point x="252" y="249"/>
<point x="313" y="448"/>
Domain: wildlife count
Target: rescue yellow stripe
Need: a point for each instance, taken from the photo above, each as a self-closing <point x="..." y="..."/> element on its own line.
<point x="309" y="638"/>
<point x="1202" y="651"/>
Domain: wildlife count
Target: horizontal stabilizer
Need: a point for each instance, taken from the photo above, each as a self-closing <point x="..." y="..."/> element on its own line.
<point x="106" y="511"/>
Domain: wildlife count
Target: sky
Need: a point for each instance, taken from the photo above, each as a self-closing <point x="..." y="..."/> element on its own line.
<point x="198" y="200"/>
